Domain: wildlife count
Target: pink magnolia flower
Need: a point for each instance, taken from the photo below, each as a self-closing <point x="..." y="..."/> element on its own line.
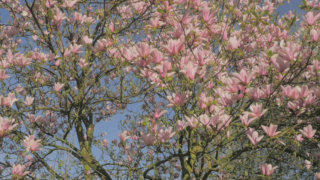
<point x="73" y="49"/>
<point x="271" y="130"/>
<point x="309" y="100"/>
<point x="204" y="119"/>
<point x="29" y="100"/>
<point x="23" y="61"/>
<point x="19" y="89"/>
<point x="143" y="49"/>
<point x="245" y="120"/>
<point x="78" y="17"/>
<point x="254" y="136"/>
<point x="164" y="67"/>
<point x="31" y="144"/>
<point x="82" y="63"/>
<point x="204" y="100"/>
<point x="257" y="110"/>
<point x="158" y="113"/>
<point x="50" y="3"/>
<point x="308" y="131"/>
<point x="177" y="99"/>
<point x="5" y="64"/>
<point x="186" y="19"/>
<point x="58" y="18"/>
<point x="148" y="139"/>
<point x="165" y="135"/>
<point x="244" y="76"/>
<point x="9" y="100"/>
<point x="19" y="171"/>
<point x="87" y="40"/>
<point x="6" y="125"/>
<point x="290" y="52"/>
<point x="192" y="122"/>
<point x="311" y="18"/>
<point x="69" y="3"/>
<point x="101" y="45"/>
<point x="124" y="136"/>
<point x="315" y="34"/>
<point x="174" y="46"/>
<point x="157" y="56"/>
<point x="267" y="169"/>
<point x="293" y="106"/>
<point x="280" y="63"/>
<point x="181" y="125"/>
<point x="206" y="14"/>
<point x="33" y="118"/>
<point x="58" y="86"/>
<point x="190" y="70"/>
<point x="234" y="43"/>
<point x="105" y="143"/>
<point x="155" y="22"/>
<point x="299" y="138"/>
<point x="256" y="93"/>
<point x="3" y="74"/>
<point x="111" y="27"/>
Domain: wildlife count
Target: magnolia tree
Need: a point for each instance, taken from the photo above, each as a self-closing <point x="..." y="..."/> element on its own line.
<point x="221" y="89"/>
<point x="236" y="92"/>
<point x="61" y="77"/>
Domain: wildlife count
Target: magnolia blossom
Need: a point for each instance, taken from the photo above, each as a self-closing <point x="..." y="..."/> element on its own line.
<point x="58" y="86"/>
<point x="254" y="136"/>
<point x="6" y="125"/>
<point x="245" y="120"/>
<point x="73" y="49"/>
<point x="69" y="3"/>
<point x="31" y="144"/>
<point x="174" y="46"/>
<point x="271" y="130"/>
<point x="3" y="74"/>
<point x="58" y="18"/>
<point x="243" y="76"/>
<point x="87" y="40"/>
<point x="19" y="171"/>
<point x="311" y="18"/>
<point x="204" y="119"/>
<point x="19" y="89"/>
<point x="29" y="100"/>
<point x="157" y="114"/>
<point x="315" y="34"/>
<point x="234" y="42"/>
<point x="177" y="99"/>
<point x="190" y="70"/>
<point x="165" y="135"/>
<point x="82" y="63"/>
<point x="9" y="100"/>
<point x="181" y="125"/>
<point x="299" y="138"/>
<point x="50" y="3"/>
<point x="257" y="110"/>
<point x="124" y="136"/>
<point x="192" y="122"/>
<point x="308" y="131"/>
<point x="267" y="169"/>
<point x="105" y="143"/>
